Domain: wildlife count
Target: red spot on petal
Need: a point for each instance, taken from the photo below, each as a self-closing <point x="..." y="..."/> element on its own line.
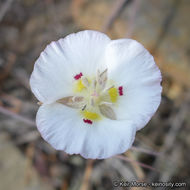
<point x="87" y="121"/>
<point x="120" y="90"/>
<point x="77" y="77"/>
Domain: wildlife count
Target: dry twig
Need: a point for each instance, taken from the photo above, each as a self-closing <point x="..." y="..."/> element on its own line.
<point x="118" y="8"/>
<point x="87" y="174"/>
<point x="136" y="167"/>
<point x="168" y="148"/>
<point x="139" y="163"/>
<point x="17" y="116"/>
<point x="143" y="150"/>
<point x="135" y="8"/>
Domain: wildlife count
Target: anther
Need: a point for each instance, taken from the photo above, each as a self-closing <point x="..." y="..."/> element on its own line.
<point x="85" y="81"/>
<point x="109" y="88"/>
<point x="104" y="72"/>
<point x="107" y="103"/>
<point x="102" y="78"/>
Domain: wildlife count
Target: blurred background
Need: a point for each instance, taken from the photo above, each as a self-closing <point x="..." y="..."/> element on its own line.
<point x="161" y="149"/>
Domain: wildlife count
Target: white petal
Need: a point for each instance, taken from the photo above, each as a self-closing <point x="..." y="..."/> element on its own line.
<point x="130" y="65"/>
<point x="54" y="70"/>
<point x="85" y="50"/>
<point x="61" y="126"/>
<point x="64" y="129"/>
<point x="108" y="138"/>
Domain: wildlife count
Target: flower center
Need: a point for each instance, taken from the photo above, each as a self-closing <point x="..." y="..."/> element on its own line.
<point x="94" y="97"/>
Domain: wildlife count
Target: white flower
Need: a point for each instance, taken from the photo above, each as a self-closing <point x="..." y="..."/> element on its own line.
<point x="95" y="93"/>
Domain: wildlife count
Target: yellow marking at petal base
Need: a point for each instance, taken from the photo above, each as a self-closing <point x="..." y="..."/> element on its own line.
<point x="90" y="115"/>
<point x="113" y="94"/>
<point x="80" y="86"/>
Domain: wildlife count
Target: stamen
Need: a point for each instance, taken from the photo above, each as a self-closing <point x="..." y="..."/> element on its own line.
<point x="77" y="77"/>
<point x="85" y="81"/>
<point x="72" y="101"/>
<point x="110" y="87"/>
<point x="77" y="98"/>
<point x="120" y="90"/>
<point x="87" y="121"/>
<point x="102" y="78"/>
<point x="107" y="111"/>
<point x="104" y="73"/>
<point x="107" y="103"/>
